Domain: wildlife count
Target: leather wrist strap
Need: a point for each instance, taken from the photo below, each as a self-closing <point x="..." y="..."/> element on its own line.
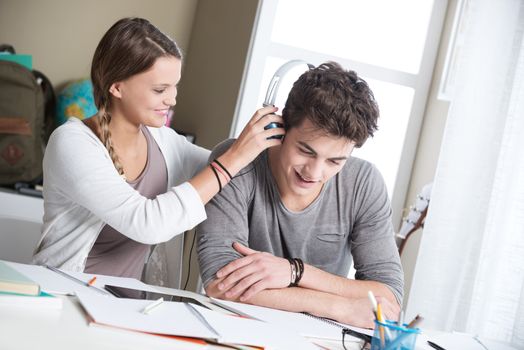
<point x="293" y="273"/>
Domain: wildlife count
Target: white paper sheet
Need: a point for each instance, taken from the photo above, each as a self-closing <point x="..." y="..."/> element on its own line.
<point x="174" y="318"/>
<point x="239" y="330"/>
<point x="169" y="318"/>
<point x="56" y="283"/>
<point x="458" y="341"/>
<point x="302" y="324"/>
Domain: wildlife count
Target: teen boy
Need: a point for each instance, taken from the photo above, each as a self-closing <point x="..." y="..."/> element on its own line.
<point x="284" y="233"/>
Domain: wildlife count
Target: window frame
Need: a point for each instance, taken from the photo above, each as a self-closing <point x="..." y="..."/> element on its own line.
<point x="261" y="47"/>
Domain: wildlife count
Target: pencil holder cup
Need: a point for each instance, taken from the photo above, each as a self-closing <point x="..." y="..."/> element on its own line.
<point x="390" y="336"/>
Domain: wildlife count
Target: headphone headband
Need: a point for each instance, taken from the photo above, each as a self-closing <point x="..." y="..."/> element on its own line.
<point x="277" y="78"/>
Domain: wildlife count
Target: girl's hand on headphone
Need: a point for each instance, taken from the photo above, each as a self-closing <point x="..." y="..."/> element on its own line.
<point x="255" y="138"/>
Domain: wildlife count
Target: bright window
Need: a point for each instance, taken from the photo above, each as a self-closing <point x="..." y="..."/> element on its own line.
<point x="391" y="44"/>
<point x="389" y="34"/>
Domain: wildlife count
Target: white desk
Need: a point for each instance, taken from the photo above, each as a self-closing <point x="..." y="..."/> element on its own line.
<point x="24" y="328"/>
<point x="68" y="328"/>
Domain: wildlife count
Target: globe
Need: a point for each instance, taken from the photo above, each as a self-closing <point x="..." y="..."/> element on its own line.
<point x="75" y="100"/>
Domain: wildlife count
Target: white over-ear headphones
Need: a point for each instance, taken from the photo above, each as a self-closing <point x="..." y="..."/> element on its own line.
<point x="272" y="89"/>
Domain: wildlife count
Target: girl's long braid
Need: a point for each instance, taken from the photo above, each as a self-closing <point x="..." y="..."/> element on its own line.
<point x="104" y="118"/>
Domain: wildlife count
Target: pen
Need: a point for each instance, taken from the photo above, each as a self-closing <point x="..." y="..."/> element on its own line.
<point x="201" y="318"/>
<point x="435" y="346"/>
<point x="72" y="278"/>
<point x="152" y="306"/>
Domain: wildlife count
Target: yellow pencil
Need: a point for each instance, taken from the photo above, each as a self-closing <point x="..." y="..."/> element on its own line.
<point x="380" y="328"/>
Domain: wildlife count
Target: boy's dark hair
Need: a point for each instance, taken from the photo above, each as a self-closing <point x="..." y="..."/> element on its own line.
<point x="335" y="100"/>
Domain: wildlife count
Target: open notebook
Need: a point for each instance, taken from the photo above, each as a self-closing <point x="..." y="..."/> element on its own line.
<point x="304" y="324"/>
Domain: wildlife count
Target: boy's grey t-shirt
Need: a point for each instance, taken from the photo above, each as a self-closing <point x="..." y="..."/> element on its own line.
<point x="351" y="217"/>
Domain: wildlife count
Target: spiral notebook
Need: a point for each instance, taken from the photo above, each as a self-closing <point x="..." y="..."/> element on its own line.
<point x="305" y="324"/>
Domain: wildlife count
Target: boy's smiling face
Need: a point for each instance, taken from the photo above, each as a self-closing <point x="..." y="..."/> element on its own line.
<point x="307" y="159"/>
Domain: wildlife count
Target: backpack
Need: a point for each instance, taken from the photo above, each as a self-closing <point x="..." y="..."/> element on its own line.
<point x="27" y="108"/>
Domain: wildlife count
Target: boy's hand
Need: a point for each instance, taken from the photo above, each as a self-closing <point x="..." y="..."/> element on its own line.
<point x="256" y="271"/>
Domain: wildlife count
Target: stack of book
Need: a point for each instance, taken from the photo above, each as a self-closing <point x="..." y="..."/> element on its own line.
<point x="18" y="290"/>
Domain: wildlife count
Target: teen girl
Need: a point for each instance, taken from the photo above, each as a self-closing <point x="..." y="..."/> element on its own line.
<point x="121" y="181"/>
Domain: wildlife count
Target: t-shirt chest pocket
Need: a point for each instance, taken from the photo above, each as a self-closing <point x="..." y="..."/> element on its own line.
<point x="331" y="237"/>
<point x="330" y="233"/>
<point x="326" y="246"/>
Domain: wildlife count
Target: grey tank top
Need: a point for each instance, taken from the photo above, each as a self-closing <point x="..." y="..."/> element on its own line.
<point x="113" y="253"/>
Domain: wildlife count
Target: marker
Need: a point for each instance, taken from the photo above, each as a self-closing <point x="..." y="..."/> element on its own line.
<point x="373" y="301"/>
<point x="153" y="306"/>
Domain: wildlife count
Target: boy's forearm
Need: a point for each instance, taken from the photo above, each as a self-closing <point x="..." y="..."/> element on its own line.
<point x="322" y="281"/>
<point x="290" y="299"/>
<point x="355" y="312"/>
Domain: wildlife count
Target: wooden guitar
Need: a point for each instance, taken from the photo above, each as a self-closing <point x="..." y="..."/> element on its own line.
<point x="415" y="218"/>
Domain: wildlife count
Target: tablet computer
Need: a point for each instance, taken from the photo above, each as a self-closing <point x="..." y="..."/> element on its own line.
<point x="129" y="293"/>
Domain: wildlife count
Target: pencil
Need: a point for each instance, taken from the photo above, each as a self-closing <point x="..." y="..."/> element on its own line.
<point x="415" y="321"/>
<point x="381" y="328"/>
<point x="91" y="281"/>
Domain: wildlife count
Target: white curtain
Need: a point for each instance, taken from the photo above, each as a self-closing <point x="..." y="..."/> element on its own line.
<point x="469" y="275"/>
